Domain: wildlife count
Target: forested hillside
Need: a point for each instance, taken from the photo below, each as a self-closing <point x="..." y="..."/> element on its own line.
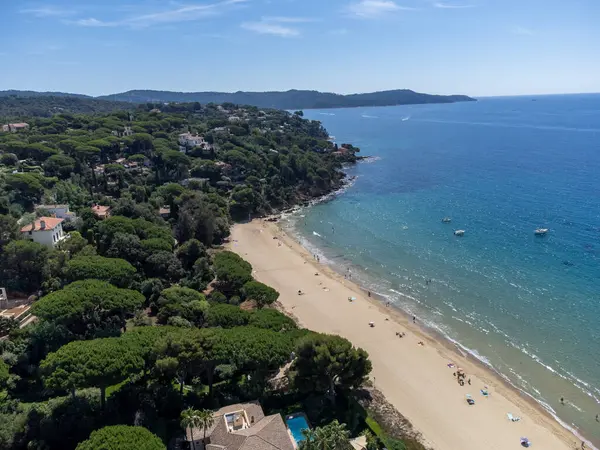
<point x="23" y="106"/>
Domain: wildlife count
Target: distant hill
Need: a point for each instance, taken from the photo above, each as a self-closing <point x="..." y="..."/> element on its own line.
<point x="45" y="106"/>
<point x="14" y="104"/>
<point x="293" y="99"/>
<point x="13" y="93"/>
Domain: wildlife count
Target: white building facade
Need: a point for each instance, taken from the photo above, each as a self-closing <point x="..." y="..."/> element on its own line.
<point x="47" y="231"/>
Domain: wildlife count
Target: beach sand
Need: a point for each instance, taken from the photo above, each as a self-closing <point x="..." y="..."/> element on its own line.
<point x="414" y="378"/>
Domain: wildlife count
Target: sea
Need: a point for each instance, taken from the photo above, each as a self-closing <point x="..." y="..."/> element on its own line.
<point x="527" y="306"/>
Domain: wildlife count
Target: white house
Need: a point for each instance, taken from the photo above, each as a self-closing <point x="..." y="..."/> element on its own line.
<point x="45" y="230"/>
<point x="60" y="211"/>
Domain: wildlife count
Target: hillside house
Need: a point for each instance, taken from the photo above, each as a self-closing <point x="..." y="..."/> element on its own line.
<point x="101" y="212"/>
<point x="47" y="231"/>
<point x="14" y="127"/>
<point x="60" y="211"/>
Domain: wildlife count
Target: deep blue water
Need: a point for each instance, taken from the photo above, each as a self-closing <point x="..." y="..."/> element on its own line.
<point x="500" y="168"/>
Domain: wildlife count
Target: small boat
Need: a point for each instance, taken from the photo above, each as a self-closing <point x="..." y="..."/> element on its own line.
<point x="446" y="220"/>
<point x="459" y="233"/>
<point x="541" y="231"/>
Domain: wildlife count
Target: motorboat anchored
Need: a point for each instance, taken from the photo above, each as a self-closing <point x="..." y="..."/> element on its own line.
<point x="446" y="220"/>
<point x="459" y="233"/>
<point x="541" y="231"/>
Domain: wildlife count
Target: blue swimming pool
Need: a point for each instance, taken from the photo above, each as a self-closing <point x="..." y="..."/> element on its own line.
<point x="296" y="423"/>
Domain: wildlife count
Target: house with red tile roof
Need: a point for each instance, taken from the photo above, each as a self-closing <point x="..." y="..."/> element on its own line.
<point x="47" y="231"/>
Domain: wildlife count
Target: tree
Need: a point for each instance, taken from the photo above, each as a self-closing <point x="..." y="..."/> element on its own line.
<point x="189" y="252"/>
<point x="22" y="266"/>
<point x="183" y="355"/>
<point x="182" y="302"/>
<point x="122" y="437"/>
<point x="261" y="293"/>
<point x="190" y="419"/>
<point x="60" y="166"/>
<point x="334" y="436"/>
<point x="114" y="270"/>
<point x="27" y="187"/>
<point x="97" y="363"/>
<point x="206" y="419"/>
<point x="232" y="272"/>
<point x="164" y="265"/>
<point x="227" y="316"/>
<point x="9" y="230"/>
<point x="3" y="373"/>
<point x="89" y="308"/>
<point x="326" y="362"/>
<point x="271" y="319"/>
<point x="73" y="245"/>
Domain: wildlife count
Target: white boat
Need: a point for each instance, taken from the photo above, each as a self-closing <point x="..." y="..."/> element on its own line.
<point x="541" y="231"/>
<point x="446" y="220"/>
<point x="459" y="233"/>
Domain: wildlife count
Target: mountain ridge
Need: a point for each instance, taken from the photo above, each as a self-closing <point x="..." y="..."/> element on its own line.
<point x="291" y="99"/>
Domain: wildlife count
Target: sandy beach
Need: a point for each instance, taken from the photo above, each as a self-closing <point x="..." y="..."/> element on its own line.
<point x="415" y="378"/>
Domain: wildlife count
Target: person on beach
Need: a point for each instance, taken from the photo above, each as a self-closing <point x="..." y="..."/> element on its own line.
<point x="369" y="294"/>
<point x="562" y="400"/>
<point x="414" y="319"/>
<point x="597" y="419"/>
<point x="469" y="381"/>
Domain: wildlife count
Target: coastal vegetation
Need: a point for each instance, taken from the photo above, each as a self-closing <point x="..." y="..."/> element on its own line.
<point x="141" y="319"/>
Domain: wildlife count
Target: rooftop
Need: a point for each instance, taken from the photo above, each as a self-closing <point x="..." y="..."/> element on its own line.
<point x="42" y="224"/>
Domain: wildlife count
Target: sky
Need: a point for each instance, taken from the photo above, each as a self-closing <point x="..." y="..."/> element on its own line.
<point x="473" y="47"/>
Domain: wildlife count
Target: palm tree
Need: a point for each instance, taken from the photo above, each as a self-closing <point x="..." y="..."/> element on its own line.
<point x="206" y="419"/>
<point x="329" y="437"/>
<point x="190" y="419"/>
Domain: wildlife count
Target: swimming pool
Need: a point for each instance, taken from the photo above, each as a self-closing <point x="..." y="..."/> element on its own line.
<point x="296" y="423"/>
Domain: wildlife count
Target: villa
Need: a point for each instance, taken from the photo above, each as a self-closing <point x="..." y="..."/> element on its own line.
<point x="47" y="231"/>
<point x="243" y="427"/>
<point x="14" y="127"/>
<point x="101" y="212"/>
<point x="60" y="211"/>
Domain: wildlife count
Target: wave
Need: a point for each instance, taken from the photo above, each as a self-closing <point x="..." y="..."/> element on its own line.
<point x="404" y="119"/>
<point x="327" y="114"/>
<point x="366" y="116"/>
<point x="316" y="234"/>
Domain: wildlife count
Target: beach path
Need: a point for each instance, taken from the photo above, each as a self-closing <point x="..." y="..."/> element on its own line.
<point x="414" y="378"/>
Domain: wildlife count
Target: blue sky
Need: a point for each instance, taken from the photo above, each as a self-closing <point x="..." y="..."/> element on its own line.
<point x="475" y="47"/>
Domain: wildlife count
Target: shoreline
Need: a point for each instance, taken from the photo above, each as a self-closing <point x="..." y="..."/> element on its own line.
<point x="545" y="428"/>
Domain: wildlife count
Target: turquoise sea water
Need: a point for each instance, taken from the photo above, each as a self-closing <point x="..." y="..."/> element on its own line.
<point x="500" y="168"/>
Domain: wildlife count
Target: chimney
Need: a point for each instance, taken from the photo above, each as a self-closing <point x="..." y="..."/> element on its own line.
<point x="42" y="224"/>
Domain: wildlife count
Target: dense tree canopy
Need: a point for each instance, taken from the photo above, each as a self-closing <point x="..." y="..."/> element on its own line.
<point x="96" y="363"/>
<point x="326" y="362"/>
<point x="121" y="437"/>
<point x="89" y="308"/>
<point x="114" y="270"/>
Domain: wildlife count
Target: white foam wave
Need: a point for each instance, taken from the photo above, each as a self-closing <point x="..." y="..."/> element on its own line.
<point x="316" y="234"/>
<point x="366" y="116"/>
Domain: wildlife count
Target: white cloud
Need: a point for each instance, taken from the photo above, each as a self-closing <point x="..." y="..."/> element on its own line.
<point x="522" y="31"/>
<point x="264" y="27"/>
<point x="48" y="11"/>
<point x="185" y="13"/>
<point x="375" y="8"/>
<point x="93" y="23"/>
<point x="445" y="5"/>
